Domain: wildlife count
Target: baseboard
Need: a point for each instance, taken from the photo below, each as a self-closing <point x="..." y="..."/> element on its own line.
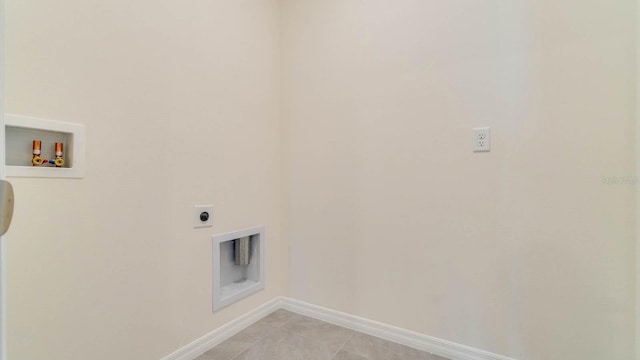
<point x="208" y="341"/>
<point x="412" y="339"/>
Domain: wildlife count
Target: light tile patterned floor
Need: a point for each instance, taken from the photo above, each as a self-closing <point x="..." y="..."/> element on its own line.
<point x="287" y="336"/>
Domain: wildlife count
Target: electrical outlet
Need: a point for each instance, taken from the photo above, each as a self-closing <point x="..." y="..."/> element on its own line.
<point x="482" y="139"/>
<point x="202" y="216"/>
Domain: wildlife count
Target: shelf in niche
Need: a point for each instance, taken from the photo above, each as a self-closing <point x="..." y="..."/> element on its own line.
<point x="20" y="131"/>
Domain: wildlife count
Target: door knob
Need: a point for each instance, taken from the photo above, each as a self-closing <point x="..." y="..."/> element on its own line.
<point x="6" y="206"/>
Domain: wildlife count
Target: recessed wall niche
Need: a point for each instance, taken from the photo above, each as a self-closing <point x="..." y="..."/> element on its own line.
<point x="238" y="265"/>
<point x="21" y="131"/>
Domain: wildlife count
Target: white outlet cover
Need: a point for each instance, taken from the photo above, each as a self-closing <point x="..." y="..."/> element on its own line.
<point x="197" y="211"/>
<point x="482" y="139"/>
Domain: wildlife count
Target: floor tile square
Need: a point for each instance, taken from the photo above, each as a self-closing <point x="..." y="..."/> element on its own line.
<point x="344" y="355"/>
<point x="240" y="342"/>
<point x="289" y="347"/>
<point x="277" y="318"/>
<point x="283" y="335"/>
<point x="331" y="335"/>
<point x="374" y="348"/>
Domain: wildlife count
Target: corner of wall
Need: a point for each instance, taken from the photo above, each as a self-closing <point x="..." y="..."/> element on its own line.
<point x="284" y="159"/>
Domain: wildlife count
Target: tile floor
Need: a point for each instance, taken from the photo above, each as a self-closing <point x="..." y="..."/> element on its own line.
<point x="283" y="335"/>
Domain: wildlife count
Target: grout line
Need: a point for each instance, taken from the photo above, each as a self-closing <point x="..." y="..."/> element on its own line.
<point x="264" y="338"/>
<point x="250" y="346"/>
<point x="334" y="355"/>
<point x="245" y="350"/>
<point x="342" y="346"/>
<point x="253" y="344"/>
<point x="306" y="337"/>
<point x="204" y="357"/>
<point x="317" y="341"/>
<point x="289" y="319"/>
<point x="310" y="339"/>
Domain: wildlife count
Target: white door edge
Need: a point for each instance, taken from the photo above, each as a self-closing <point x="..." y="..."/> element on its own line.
<point x="3" y="313"/>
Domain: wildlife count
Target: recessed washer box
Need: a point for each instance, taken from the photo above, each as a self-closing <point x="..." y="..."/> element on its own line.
<point x="20" y="131"/>
<point x="232" y="282"/>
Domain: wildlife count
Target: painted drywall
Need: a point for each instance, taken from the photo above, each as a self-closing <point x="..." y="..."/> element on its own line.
<point x="181" y="103"/>
<point x="527" y="251"/>
<point x="523" y="251"/>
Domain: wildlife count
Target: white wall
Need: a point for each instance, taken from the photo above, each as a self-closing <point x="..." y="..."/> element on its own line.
<point x="181" y="101"/>
<point x="522" y="251"/>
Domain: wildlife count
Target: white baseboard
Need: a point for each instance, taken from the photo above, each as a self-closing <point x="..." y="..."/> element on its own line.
<point x="208" y="341"/>
<point x="412" y="339"/>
